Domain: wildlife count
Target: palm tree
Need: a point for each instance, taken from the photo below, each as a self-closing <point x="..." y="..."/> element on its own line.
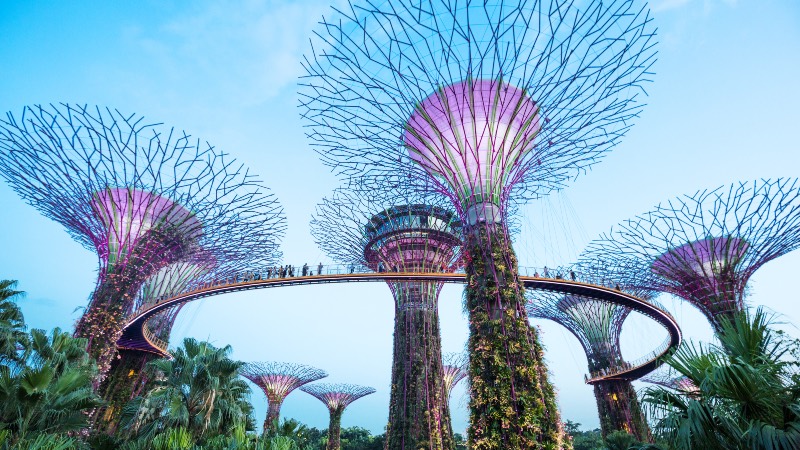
<point x="12" y="324"/>
<point x="748" y="390"/>
<point x="50" y="392"/>
<point x="198" y="390"/>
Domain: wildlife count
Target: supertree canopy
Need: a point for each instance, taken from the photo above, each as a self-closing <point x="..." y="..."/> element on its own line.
<point x="142" y="196"/>
<point x="402" y="232"/>
<point x="597" y="324"/>
<point x="278" y="380"/>
<point x="455" y="370"/>
<point x="336" y="397"/>
<point x="705" y="247"/>
<point x="492" y="102"/>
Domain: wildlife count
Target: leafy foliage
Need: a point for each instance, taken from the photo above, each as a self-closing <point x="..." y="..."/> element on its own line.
<point x="50" y="392"/>
<point x="512" y="403"/>
<point x="747" y="396"/>
<point x="199" y="390"/>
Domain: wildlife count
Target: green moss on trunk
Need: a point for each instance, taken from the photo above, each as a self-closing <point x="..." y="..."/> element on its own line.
<point x="126" y="379"/>
<point x="419" y="416"/>
<point x="619" y="409"/>
<point x="512" y="403"/>
<point x="273" y="414"/>
<point x="335" y="429"/>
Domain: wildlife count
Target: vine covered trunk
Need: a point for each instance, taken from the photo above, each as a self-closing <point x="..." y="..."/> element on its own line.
<point x="126" y="380"/>
<point x="273" y="414"/>
<point x="619" y="409"/>
<point x="335" y="429"/>
<point x="114" y="298"/>
<point x="103" y="320"/>
<point x="419" y="414"/>
<point x="512" y="403"/>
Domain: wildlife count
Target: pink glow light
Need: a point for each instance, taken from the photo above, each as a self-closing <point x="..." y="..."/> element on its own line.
<point x="473" y="134"/>
<point x="128" y="213"/>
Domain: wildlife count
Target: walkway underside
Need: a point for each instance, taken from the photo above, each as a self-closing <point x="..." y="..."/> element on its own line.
<point x="137" y="336"/>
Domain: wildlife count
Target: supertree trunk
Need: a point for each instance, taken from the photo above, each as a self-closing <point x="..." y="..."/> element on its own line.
<point x="619" y="409"/>
<point x="419" y="416"/>
<point x="273" y="414"/>
<point x="335" y="429"/>
<point x="114" y="297"/>
<point x="512" y="404"/>
<point x="102" y="322"/>
<point x="126" y="380"/>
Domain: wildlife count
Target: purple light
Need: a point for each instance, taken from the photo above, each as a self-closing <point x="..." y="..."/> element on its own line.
<point x="128" y="213"/>
<point x="704" y="259"/>
<point x="473" y="134"/>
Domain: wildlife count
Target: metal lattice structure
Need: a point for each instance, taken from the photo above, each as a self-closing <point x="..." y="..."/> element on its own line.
<point x="455" y="367"/>
<point x="705" y="247"/>
<point x="142" y="196"/>
<point x="277" y="380"/>
<point x="412" y="233"/>
<point x="336" y="398"/>
<point x="490" y="104"/>
<point x="390" y="83"/>
<point x="597" y="324"/>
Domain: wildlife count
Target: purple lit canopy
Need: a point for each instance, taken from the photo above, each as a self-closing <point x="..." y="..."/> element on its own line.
<point x="489" y="101"/>
<point x="705" y="247"/>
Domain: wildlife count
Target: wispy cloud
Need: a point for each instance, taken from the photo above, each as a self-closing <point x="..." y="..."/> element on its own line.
<point x="666" y="5"/>
<point x="248" y="51"/>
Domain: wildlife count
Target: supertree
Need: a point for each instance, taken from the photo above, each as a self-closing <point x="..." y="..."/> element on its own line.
<point x="598" y="324"/>
<point x="705" y="247"/>
<point x="455" y="370"/>
<point x="492" y="102"/>
<point x="141" y="195"/>
<point x="127" y="378"/>
<point x="402" y="232"/>
<point x="277" y="380"/>
<point x="336" y="397"/>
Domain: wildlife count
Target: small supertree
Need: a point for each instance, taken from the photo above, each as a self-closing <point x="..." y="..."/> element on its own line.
<point x="455" y="367"/>
<point x="140" y="195"/>
<point x="597" y="324"/>
<point x="493" y="103"/>
<point x="705" y="247"/>
<point x="336" y="397"/>
<point x="402" y="233"/>
<point x="277" y="380"/>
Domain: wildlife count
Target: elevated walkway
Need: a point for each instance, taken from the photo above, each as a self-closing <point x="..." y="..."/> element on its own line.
<point x="136" y="335"/>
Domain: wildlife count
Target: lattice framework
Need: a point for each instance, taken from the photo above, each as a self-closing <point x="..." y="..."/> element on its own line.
<point x="142" y="196"/>
<point x="277" y="380"/>
<point x="704" y="247"/>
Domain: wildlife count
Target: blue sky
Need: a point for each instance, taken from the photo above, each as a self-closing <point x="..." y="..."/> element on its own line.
<point x="723" y="107"/>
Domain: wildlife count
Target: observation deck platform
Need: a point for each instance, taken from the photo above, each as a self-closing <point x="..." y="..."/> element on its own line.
<point x="136" y="335"/>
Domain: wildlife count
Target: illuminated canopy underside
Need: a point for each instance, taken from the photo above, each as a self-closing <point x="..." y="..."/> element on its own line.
<point x="472" y="134"/>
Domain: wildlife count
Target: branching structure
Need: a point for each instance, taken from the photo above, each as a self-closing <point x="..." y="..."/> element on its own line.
<point x="493" y="103"/>
<point x="705" y="247"/>
<point x="597" y="324"/>
<point x="336" y="397"/>
<point x="455" y="366"/>
<point x="278" y="380"/>
<point x="142" y="196"/>
<point x="402" y="233"/>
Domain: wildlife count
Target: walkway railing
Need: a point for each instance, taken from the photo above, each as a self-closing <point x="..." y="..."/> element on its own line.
<point x="137" y="335"/>
<point x="628" y="366"/>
